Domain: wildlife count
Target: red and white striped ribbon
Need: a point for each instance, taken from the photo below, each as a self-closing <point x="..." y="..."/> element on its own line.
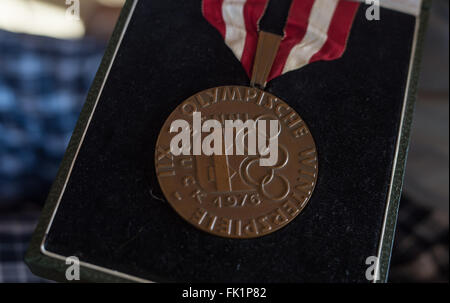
<point x="315" y="30"/>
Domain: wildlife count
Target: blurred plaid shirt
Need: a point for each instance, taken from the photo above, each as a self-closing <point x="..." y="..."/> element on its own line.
<point x="43" y="84"/>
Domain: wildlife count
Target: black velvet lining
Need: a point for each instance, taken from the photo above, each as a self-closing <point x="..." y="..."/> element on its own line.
<point x="111" y="214"/>
<point x="275" y="16"/>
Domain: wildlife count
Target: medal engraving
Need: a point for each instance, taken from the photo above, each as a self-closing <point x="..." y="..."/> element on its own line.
<point x="232" y="195"/>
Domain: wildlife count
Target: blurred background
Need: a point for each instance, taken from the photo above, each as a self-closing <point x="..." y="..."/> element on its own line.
<point x="49" y="53"/>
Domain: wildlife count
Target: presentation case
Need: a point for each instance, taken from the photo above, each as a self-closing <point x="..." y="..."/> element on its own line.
<point x="106" y="207"/>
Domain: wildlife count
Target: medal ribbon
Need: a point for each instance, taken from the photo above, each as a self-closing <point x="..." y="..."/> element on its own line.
<point x="314" y="30"/>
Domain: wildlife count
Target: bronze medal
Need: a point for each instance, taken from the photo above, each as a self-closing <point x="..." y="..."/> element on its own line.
<point x="232" y="195"/>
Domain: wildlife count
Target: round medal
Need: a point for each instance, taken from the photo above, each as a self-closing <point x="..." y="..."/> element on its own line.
<point x="236" y="180"/>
